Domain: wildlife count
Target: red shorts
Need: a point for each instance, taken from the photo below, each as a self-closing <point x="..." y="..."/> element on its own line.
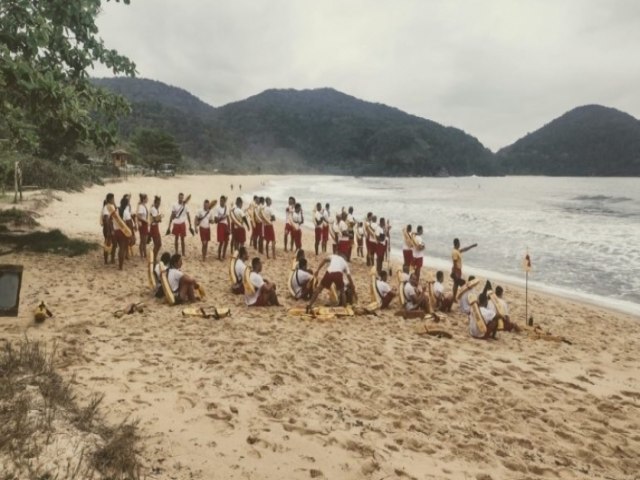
<point x="155" y="231"/>
<point x="325" y="233"/>
<point x="223" y="232"/>
<point x="143" y="228"/>
<point x="371" y="247"/>
<point x="318" y="232"/>
<point x="344" y="246"/>
<point x="257" y="232"/>
<point x="381" y="249"/>
<point x="179" y="229"/>
<point x="239" y="235"/>
<point x="119" y="236"/>
<point x="261" y="301"/>
<point x="417" y="263"/>
<point x="408" y="257"/>
<point x="333" y="278"/>
<point x="456" y="273"/>
<point x="205" y="234"/>
<point x="287" y="228"/>
<point x="297" y="238"/>
<point x="269" y="233"/>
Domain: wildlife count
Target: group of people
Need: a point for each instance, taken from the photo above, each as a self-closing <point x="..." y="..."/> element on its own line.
<point x="233" y="224"/>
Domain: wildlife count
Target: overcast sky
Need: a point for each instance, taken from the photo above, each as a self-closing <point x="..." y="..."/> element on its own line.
<point x="497" y="69"/>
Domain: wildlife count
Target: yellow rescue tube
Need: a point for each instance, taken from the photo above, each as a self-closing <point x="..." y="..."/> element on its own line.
<point x="249" y="289"/>
<point x="468" y="286"/>
<point x="151" y="276"/>
<point x="113" y="213"/>
<point x="166" y="288"/>
<point x="232" y="268"/>
<point x="375" y="295"/>
<point x="500" y="313"/>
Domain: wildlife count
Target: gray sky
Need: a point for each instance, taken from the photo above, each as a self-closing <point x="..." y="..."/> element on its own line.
<point x="497" y="69"/>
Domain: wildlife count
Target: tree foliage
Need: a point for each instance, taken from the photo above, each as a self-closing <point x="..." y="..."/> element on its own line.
<point x="156" y="147"/>
<point x="47" y="103"/>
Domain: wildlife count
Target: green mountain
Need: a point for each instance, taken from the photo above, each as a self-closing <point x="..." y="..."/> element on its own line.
<point x="285" y="131"/>
<point x="587" y="141"/>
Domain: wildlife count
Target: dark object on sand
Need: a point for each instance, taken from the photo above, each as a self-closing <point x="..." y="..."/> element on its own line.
<point x="10" y="284"/>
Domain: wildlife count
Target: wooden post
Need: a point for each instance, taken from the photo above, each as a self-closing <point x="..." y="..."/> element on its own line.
<point x="16" y="183"/>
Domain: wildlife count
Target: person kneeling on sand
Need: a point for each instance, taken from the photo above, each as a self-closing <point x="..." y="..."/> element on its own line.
<point x="301" y="281"/>
<point x="162" y="264"/>
<point x="333" y="276"/>
<point x="506" y="320"/>
<point x="386" y="292"/>
<point x="415" y="300"/>
<point x="488" y="317"/>
<point x="238" y="270"/>
<point x="444" y="300"/>
<point x="182" y="285"/>
<point x="265" y="291"/>
<point x="464" y="297"/>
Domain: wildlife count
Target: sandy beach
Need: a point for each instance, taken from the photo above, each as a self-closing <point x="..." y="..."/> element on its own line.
<point x="262" y="395"/>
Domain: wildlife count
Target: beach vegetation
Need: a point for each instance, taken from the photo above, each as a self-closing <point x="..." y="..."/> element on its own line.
<point x="52" y="241"/>
<point x="156" y="149"/>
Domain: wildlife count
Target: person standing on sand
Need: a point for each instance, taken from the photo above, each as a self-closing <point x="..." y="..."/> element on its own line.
<point x="269" y="233"/>
<point x="407" y="247"/>
<point x="203" y="227"/>
<point x="154" y="227"/>
<point x="380" y="239"/>
<point x="239" y="233"/>
<point x="287" y="225"/>
<point x="265" y="291"/>
<point x="418" y="252"/>
<point x="337" y="268"/>
<point x="456" y="269"/>
<point x="107" y="229"/>
<point x="179" y="216"/>
<point x="318" y="221"/>
<point x="128" y="218"/>
<point x="297" y="218"/>
<point x="142" y="218"/>
<point x="221" y="219"/>
<point x="326" y="217"/>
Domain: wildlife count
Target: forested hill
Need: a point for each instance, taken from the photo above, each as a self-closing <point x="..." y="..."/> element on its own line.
<point x="587" y="141"/>
<point x="283" y="131"/>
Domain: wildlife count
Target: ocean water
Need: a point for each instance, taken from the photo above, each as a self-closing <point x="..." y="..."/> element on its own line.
<point x="583" y="234"/>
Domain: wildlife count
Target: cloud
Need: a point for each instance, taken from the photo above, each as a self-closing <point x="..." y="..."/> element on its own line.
<point x="497" y="68"/>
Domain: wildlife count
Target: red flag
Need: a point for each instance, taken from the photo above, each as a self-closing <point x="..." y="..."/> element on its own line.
<point x="526" y="263"/>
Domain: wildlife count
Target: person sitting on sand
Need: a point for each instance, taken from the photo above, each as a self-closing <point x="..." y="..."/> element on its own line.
<point x="162" y="264"/>
<point x="386" y="292"/>
<point x="269" y="232"/>
<point x="415" y="299"/>
<point x="489" y="319"/>
<point x="318" y="221"/>
<point x="182" y="285"/>
<point x="265" y="291"/>
<point x="444" y="300"/>
<point x="238" y="269"/>
<point x="506" y="320"/>
<point x="464" y="298"/>
<point x="337" y="267"/>
<point x="142" y="220"/>
<point x="301" y="281"/>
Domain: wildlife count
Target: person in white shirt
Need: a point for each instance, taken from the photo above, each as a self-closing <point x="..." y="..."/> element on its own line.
<point x="179" y="216"/>
<point x="269" y="233"/>
<point x="287" y="225"/>
<point x="155" y="217"/>
<point x="163" y="263"/>
<point x="326" y="217"/>
<point x="369" y="235"/>
<point x="463" y="301"/>
<point x="487" y="316"/>
<point x="265" y="291"/>
<point x="129" y="219"/>
<point x="142" y="220"/>
<point x="336" y="270"/>
<point x="110" y="244"/>
<point x="221" y="219"/>
<point x="182" y="285"/>
<point x="238" y="269"/>
<point x="297" y="218"/>
<point x="506" y="319"/>
<point x="318" y="223"/>
<point x="418" y="252"/>
<point x="344" y="243"/>
<point x="415" y="300"/>
<point x="407" y="246"/>
<point x="351" y="225"/>
<point x="381" y="234"/>
<point x="240" y="225"/>
<point x="301" y="281"/>
<point x="386" y="292"/>
<point x="203" y="227"/>
<point x="444" y="300"/>
<point x="359" y="234"/>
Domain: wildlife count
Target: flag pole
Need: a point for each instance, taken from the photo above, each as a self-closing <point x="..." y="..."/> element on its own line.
<point x="526" y="298"/>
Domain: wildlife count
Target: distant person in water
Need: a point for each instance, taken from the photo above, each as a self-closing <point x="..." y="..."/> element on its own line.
<point x="456" y="269"/>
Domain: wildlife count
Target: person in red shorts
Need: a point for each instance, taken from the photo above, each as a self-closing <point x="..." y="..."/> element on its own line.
<point x="239" y="219"/>
<point x="418" y="252"/>
<point x="318" y="222"/>
<point x="380" y="243"/>
<point x="338" y="267"/>
<point x="155" y="217"/>
<point x="344" y="243"/>
<point x="407" y="246"/>
<point x="326" y="217"/>
<point x="297" y="219"/>
<point x="221" y="219"/>
<point x="142" y="219"/>
<point x="203" y="222"/>
<point x="180" y="216"/>
<point x="265" y="291"/>
<point x="269" y="233"/>
<point x="287" y="225"/>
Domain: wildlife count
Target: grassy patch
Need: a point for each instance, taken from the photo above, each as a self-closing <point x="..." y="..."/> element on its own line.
<point x="53" y="241"/>
<point x="19" y="218"/>
<point x="38" y="406"/>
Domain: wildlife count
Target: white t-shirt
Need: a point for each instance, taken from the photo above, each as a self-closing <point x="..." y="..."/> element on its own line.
<point x="257" y="282"/>
<point x="416" y="252"/>
<point x="221" y="214"/>
<point x="350" y="219"/>
<point x="126" y="214"/>
<point x="487" y="316"/>
<point x="174" y="275"/>
<point x="239" y="269"/>
<point x="344" y="230"/>
<point x="438" y="290"/>
<point x="318" y="218"/>
<point x="464" y="302"/>
<point x="382" y="287"/>
<point x="326" y="215"/>
<point x="156" y="270"/>
<point x="404" y="277"/>
<point x="204" y="217"/>
<point x="239" y="214"/>
<point x="409" y="293"/>
<point x="360" y="231"/>
<point x="406" y="244"/>
<point x="177" y="208"/>
<point x="143" y="213"/>
<point x="379" y="231"/>
<point x="338" y="264"/>
<point x="298" y="280"/>
<point x="154" y="213"/>
<point x="296" y="217"/>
